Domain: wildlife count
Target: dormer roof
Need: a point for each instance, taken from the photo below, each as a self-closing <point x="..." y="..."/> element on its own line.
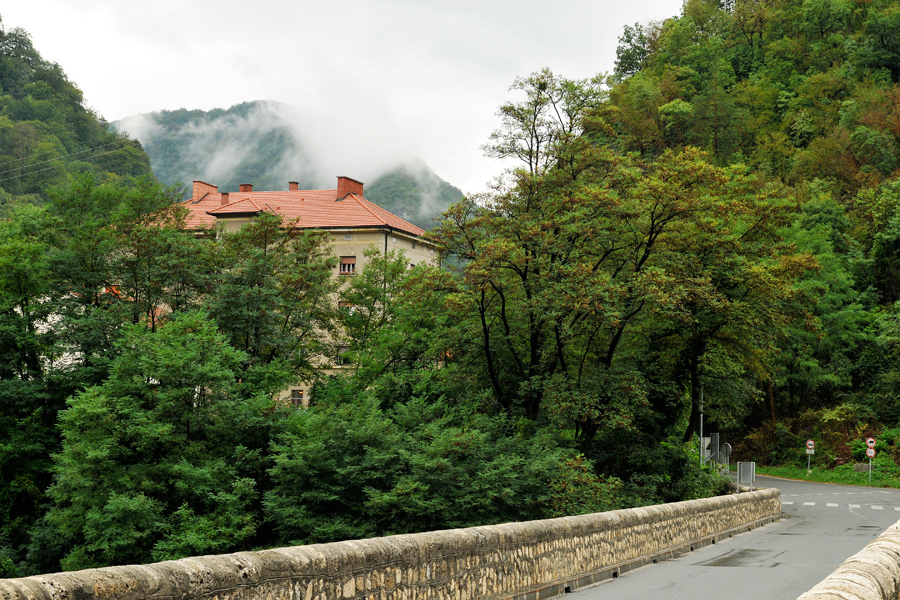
<point x="342" y="207"/>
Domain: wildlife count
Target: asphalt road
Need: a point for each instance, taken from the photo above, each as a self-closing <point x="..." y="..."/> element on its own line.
<point x="824" y="525"/>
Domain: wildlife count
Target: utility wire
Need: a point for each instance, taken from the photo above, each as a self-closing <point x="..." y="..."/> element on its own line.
<point x="56" y="166"/>
<point x="28" y="166"/>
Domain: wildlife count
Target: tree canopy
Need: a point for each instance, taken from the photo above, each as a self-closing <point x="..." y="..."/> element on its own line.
<point x="719" y="219"/>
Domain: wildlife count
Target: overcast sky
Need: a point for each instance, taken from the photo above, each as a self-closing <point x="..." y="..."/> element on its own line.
<point x="393" y="76"/>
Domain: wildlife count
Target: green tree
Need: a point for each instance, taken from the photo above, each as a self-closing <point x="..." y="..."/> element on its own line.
<point x="27" y="404"/>
<point x="632" y="51"/>
<point x="880" y="48"/>
<point x="347" y="468"/>
<point x="391" y="318"/>
<point x="154" y="463"/>
<point x="273" y="298"/>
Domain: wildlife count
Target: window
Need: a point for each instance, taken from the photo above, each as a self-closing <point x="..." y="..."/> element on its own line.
<point x="393" y="240"/>
<point x="413" y="245"/>
<point x="342" y="357"/>
<point x="348" y="265"/>
<point x="348" y="236"/>
<point x="296" y="398"/>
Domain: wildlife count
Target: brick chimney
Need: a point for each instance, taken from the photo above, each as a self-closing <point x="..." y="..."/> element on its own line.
<point x="348" y="186"/>
<point x="246" y="187"/>
<point x="293" y="186"/>
<point x="201" y="188"/>
<point x="225" y="199"/>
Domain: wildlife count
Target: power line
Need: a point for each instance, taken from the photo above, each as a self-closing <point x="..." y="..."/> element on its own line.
<point x="59" y="165"/>
<point x="28" y="166"/>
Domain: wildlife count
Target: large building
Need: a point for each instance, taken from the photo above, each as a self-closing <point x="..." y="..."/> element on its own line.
<point x="354" y="224"/>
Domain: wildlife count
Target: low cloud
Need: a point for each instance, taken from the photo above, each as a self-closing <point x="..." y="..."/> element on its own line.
<point x="311" y="146"/>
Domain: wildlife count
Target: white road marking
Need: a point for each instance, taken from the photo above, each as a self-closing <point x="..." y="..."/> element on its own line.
<point x="809" y="504"/>
<point x="831" y="505"/>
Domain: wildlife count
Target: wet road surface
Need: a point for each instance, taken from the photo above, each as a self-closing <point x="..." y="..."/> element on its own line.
<point x="823" y="526"/>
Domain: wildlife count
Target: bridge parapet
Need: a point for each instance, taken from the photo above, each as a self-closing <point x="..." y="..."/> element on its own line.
<point x="529" y="560"/>
<point x="873" y="573"/>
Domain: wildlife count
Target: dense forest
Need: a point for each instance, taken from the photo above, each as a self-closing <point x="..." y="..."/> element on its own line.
<point x="46" y="131"/>
<point x="717" y="219"/>
<point x="802" y="97"/>
<point x="263" y="143"/>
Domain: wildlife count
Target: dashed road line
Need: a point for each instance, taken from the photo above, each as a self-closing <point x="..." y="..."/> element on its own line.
<point x="836" y="505"/>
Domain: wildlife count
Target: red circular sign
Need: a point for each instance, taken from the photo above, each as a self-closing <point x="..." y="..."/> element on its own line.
<point x="810" y="444"/>
<point x="870" y="442"/>
<point x="870" y="452"/>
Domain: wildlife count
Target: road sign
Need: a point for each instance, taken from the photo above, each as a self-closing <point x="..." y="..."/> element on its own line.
<point x="810" y="444"/>
<point x="870" y="442"/>
<point x="870" y="452"/>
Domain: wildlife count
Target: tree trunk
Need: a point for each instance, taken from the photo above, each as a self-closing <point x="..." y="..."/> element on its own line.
<point x="771" y="401"/>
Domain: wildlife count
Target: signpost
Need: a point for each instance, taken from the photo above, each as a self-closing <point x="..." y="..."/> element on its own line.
<point x="702" y="443"/>
<point x="810" y="450"/>
<point x="870" y="452"/>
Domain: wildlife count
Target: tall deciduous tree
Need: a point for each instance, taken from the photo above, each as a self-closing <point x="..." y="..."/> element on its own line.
<point x="580" y="246"/>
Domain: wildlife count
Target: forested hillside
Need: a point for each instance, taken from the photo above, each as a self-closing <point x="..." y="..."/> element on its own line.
<point x="47" y="134"/>
<point x="717" y="220"/>
<point x="263" y="143"/>
<point x="805" y="94"/>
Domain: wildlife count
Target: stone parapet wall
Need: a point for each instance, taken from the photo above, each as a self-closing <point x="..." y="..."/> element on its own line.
<point x="873" y="573"/>
<point x="528" y="560"/>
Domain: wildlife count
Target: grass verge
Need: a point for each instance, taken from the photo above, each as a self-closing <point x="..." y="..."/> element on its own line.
<point x="844" y="475"/>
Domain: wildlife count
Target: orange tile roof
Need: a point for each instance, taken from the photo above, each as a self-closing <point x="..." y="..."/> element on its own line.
<point x="245" y="205"/>
<point x="315" y="209"/>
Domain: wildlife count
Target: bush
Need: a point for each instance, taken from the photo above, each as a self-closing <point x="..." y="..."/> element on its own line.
<point x="774" y="444"/>
<point x="577" y="490"/>
<point x="670" y="472"/>
<point x="350" y="468"/>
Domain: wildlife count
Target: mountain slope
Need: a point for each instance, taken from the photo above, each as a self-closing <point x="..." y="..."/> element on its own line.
<point x="263" y="143"/>
<point x="47" y="134"/>
<point x="414" y="193"/>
